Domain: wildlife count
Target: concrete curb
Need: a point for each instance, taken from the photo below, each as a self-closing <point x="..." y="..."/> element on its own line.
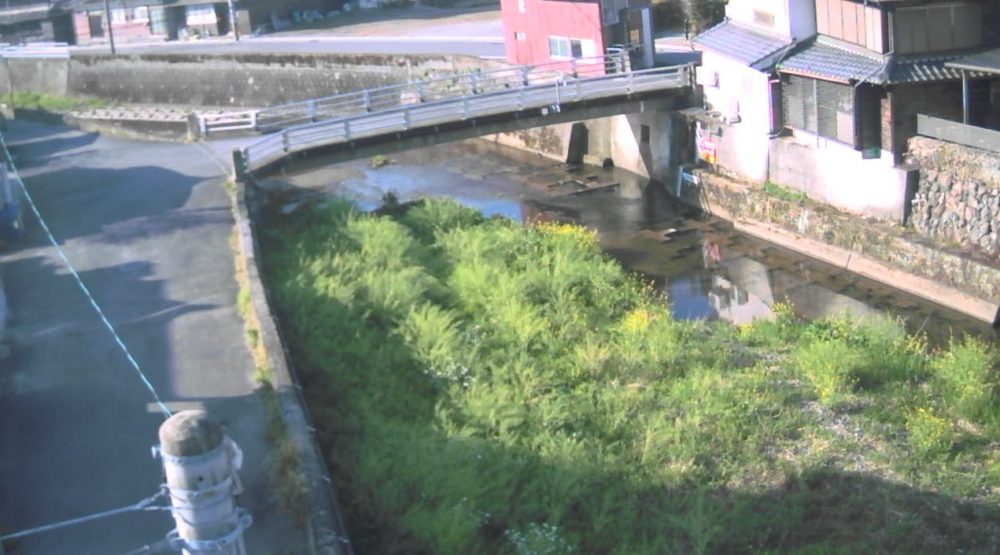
<point x="326" y="530"/>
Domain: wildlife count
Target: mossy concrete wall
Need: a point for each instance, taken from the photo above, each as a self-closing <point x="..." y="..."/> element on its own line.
<point x="958" y="195"/>
<point x="881" y="251"/>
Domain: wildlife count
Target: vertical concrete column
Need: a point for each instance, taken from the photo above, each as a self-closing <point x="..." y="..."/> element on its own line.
<point x="200" y="465"/>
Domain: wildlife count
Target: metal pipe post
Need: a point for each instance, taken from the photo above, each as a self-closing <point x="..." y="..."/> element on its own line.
<point x="111" y="33"/>
<point x="200" y="465"/>
<point x="965" y="97"/>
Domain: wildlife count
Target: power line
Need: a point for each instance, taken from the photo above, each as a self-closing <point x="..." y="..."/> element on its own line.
<point x="79" y="282"/>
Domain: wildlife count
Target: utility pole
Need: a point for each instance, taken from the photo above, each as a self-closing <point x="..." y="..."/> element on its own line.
<point x="233" y="22"/>
<point x="107" y="17"/>
<point x="200" y="464"/>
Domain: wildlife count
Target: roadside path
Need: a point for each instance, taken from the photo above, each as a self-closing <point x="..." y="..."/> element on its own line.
<point x="147" y="226"/>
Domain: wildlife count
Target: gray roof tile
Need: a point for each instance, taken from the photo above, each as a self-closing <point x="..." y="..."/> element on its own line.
<point x="988" y="61"/>
<point x="741" y="43"/>
<point x="927" y="67"/>
<point x="825" y="59"/>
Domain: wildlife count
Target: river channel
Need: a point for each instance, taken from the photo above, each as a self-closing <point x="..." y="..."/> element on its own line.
<point x="705" y="268"/>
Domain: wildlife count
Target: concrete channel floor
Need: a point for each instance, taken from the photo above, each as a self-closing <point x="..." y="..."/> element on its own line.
<point x="147" y="226"/>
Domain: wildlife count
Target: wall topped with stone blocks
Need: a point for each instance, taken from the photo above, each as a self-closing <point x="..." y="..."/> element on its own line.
<point x="958" y="198"/>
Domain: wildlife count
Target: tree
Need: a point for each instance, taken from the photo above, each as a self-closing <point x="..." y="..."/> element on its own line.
<point x="702" y="14"/>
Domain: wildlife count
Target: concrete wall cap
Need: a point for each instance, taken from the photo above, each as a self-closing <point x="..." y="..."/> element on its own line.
<point x="190" y="433"/>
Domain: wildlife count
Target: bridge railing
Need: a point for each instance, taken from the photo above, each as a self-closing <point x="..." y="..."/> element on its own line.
<point x="385" y="98"/>
<point x="428" y="114"/>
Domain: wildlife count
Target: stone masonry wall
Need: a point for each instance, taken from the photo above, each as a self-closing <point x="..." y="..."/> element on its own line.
<point x="958" y="198"/>
<point x="249" y="80"/>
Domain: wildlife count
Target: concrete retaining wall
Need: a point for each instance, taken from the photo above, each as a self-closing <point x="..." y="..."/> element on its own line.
<point x="242" y="80"/>
<point x="958" y="197"/>
<point x="41" y="75"/>
<point x="883" y="252"/>
<point x="618" y="138"/>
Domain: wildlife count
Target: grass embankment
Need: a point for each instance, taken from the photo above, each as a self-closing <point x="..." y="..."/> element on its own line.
<point x="482" y="387"/>
<point x="51" y="103"/>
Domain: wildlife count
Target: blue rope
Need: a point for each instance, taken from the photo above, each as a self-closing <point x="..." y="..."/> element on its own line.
<point x="76" y="277"/>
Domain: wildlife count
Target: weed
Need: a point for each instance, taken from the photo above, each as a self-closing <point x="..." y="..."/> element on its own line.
<point x="484" y="387"/>
<point x="51" y="103"/>
<point x="784" y="193"/>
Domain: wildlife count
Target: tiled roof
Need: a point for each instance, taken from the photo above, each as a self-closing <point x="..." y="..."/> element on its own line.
<point x="988" y="61"/>
<point x="926" y="67"/>
<point x="743" y="44"/>
<point x="826" y="59"/>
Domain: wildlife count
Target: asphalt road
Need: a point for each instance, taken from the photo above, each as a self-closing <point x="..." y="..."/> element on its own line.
<point x="147" y="226"/>
<point x="487" y="47"/>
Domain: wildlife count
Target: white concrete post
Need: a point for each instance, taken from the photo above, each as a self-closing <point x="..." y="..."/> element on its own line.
<point x="200" y="465"/>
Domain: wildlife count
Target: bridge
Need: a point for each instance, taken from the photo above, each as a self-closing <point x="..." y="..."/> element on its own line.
<point x="377" y="121"/>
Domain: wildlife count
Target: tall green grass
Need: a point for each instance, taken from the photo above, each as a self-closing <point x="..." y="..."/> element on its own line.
<point x="484" y="387"/>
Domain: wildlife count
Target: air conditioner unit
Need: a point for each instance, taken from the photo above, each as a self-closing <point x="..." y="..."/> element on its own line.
<point x="706" y="77"/>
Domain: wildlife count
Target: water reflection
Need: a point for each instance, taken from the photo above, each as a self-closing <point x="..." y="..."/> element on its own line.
<point x="705" y="268"/>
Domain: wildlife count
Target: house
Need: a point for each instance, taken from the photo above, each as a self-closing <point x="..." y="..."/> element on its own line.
<point x="32" y="20"/>
<point x="542" y="31"/>
<point x="150" y="19"/>
<point x="739" y="81"/>
<point x="851" y="95"/>
<point x="878" y="64"/>
<point x="847" y="79"/>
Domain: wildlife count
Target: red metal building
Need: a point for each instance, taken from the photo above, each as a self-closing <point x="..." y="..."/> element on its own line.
<point x="541" y="31"/>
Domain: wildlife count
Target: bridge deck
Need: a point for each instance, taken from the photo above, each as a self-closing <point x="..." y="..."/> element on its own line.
<point x="511" y="99"/>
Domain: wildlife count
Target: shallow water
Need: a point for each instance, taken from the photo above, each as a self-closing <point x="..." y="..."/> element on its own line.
<point x="705" y="268"/>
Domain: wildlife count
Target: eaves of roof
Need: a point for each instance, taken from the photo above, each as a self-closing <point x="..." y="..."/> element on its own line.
<point x="984" y="62"/>
<point x="833" y="60"/>
<point x="750" y="46"/>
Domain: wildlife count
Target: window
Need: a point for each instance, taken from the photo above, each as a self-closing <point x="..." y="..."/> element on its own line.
<point x="562" y="47"/>
<point x="820" y="107"/>
<point x="520" y="36"/>
<point x="140" y="14"/>
<point x="118" y="15"/>
<point x="157" y="21"/>
<point x="558" y="47"/>
<point x="203" y="14"/>
<point x="520" y="6"/>
<point x="644" y="134"/>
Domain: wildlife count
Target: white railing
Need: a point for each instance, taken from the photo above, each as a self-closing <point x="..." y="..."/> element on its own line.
<point x="550" y="96"/>
<point x="227" y="121"/>
<point x="419" y="92"/>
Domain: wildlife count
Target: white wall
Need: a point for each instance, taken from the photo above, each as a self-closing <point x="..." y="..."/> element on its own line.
<point x="835" y="173"/>
<point x="743" y="145"/>
<point x="792" y="18"/>
<point x="802" y="18"/>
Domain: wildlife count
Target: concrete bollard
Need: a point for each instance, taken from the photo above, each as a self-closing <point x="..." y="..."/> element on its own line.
<point x="200" y="464"/>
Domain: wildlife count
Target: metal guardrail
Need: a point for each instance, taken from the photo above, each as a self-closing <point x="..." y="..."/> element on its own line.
<point x="457" y="108"/>
<point x="959" y="133"/>
<point x="385" y="98"/>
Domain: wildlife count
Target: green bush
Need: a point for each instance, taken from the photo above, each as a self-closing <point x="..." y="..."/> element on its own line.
<point x="968" y="377"/>
<point x="51" y="103"/>
<point x="485" y="387"/>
